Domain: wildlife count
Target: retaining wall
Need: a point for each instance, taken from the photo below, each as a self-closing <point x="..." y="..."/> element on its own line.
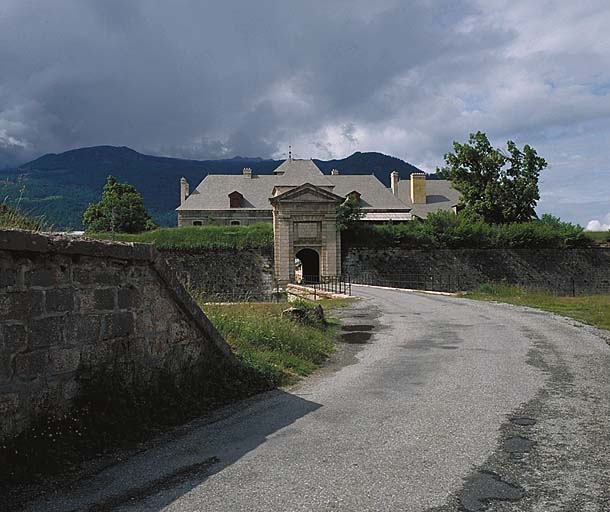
<point x="586" y="269"/>
<point x="71" y="309"/>
<point x="226" y="274"/>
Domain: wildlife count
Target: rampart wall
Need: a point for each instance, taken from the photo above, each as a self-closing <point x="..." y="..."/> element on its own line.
<point x="72" y="310"/>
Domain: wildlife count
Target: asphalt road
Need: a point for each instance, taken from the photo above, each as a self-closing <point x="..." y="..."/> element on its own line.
<point x="449" y="405"/>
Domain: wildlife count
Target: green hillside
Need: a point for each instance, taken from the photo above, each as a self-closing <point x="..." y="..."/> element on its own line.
<point x="60" y="186"/>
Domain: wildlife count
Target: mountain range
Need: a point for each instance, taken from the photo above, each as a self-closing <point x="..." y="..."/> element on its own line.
<point x="60" y="186"/>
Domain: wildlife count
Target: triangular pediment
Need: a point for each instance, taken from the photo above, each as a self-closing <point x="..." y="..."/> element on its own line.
<point x="307" y="193"/>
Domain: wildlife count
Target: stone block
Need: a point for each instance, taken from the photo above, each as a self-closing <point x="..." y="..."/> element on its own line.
<point x="46" y="276"/>
<point x="97" y="275"/>
<point x="118" y="325"/>
<point x="7" y="367"/>
<point x="59" y="300"/>
<point x="8" y="277"/>
<point x="83" y="329"/>
<point x="64" y="360"/>
<point x="15" y="240"/>
<point x="14" y="338"/>
<point x="29" y="365"/>
<point x="37" y="302"/>
<point x="46" y="332"/>
<point x="14" y="305"/>
<point x="104" y="299"/>
<point x="85" y="300"/>
<point x="127" y="297"/>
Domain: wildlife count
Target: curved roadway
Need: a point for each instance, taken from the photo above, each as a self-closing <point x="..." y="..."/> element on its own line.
<point x="450" y="405"/>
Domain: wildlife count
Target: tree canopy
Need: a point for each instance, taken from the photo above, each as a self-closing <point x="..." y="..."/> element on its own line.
<point x="500" y="187"/>
<point x="120" y="210"/>
<point x="349" y="212"/>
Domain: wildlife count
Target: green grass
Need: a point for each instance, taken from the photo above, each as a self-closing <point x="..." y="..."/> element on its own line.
<point x="591" y="309"/>
<point x="201" y="237"/>
<point x="281" y="349"/>
<point x="598" y="236"/>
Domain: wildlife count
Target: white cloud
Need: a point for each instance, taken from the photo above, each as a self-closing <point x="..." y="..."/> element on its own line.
<point x="599" y="225"/>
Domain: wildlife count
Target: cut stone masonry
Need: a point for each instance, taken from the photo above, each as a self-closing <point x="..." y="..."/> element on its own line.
<point x="70" y="308"/>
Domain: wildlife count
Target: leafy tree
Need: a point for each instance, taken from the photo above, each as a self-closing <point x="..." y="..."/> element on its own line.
<point x="348" y="213"/>
<point x="121" y="210"/>
<point x="500" y="187"/>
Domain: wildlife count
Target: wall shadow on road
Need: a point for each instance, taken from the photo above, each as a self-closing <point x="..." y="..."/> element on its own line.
<point x="185" y="461"/>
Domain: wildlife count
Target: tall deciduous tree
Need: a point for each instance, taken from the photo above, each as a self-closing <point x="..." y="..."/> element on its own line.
<point x="121" y="210"/>
<point x="500" y="187"/>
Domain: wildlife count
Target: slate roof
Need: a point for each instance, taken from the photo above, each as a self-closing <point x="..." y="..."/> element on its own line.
<point x="297" y="172"/>
<point x="374" y="194"/>
<point x="440" y="195"/>
<point x="212" y="193"/>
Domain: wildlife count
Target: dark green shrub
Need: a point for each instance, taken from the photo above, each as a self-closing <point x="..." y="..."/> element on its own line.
<point x="446" y="230"/>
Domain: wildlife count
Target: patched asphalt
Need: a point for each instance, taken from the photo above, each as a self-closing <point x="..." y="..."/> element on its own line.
<point x="448" y="405"/>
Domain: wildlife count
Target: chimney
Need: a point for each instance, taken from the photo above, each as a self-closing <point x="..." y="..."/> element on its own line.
<point x="334" y="172"/>
<point x="184" y="189"/>
<point x="418" y="188"/>
<point x="247" y="172"/>
<point x="394" y="179"/>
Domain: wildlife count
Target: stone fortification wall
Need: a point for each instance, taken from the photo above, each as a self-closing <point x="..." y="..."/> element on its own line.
<point x="72" y="309"/>
<point x="225" y="274"/>
<point x="566" y="271"/>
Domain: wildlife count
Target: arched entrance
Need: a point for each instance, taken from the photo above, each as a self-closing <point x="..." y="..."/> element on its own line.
<point x="310" y="265"/>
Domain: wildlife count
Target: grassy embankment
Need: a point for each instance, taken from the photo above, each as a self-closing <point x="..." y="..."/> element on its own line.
<point x="200" y="237"/>
<point x="279" y="348"/>
<point x="591" y="309"/>
<point x="598" y="236"/>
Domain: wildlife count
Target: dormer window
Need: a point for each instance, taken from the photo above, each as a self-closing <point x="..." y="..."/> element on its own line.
<point x="235" y="199"/>
<point x="354" y="196"/>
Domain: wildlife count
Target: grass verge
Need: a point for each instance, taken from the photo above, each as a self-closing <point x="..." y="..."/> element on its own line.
<point x="279" y="348"/>
<point x="590" y="309"/>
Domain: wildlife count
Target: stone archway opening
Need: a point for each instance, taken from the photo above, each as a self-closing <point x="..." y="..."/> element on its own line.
<point x="308" y="265"/>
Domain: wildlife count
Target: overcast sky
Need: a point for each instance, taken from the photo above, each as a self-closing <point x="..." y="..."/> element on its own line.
<point x="210" y="79"/>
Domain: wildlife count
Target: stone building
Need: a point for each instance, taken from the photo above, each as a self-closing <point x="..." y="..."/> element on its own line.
<point x="301" y="202"/>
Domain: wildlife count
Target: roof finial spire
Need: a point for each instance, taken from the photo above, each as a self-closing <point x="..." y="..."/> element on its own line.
<point x="289" y="153"/>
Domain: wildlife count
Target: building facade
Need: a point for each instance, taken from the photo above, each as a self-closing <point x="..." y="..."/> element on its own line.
<point x="301" y="202"/>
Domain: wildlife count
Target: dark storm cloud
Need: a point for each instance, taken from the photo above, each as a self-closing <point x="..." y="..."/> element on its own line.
<point x="161" y="75"/>
<point x="205" y="79"/>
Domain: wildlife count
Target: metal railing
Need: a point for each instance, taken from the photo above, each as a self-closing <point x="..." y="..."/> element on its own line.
<point x="333" y="284"/>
